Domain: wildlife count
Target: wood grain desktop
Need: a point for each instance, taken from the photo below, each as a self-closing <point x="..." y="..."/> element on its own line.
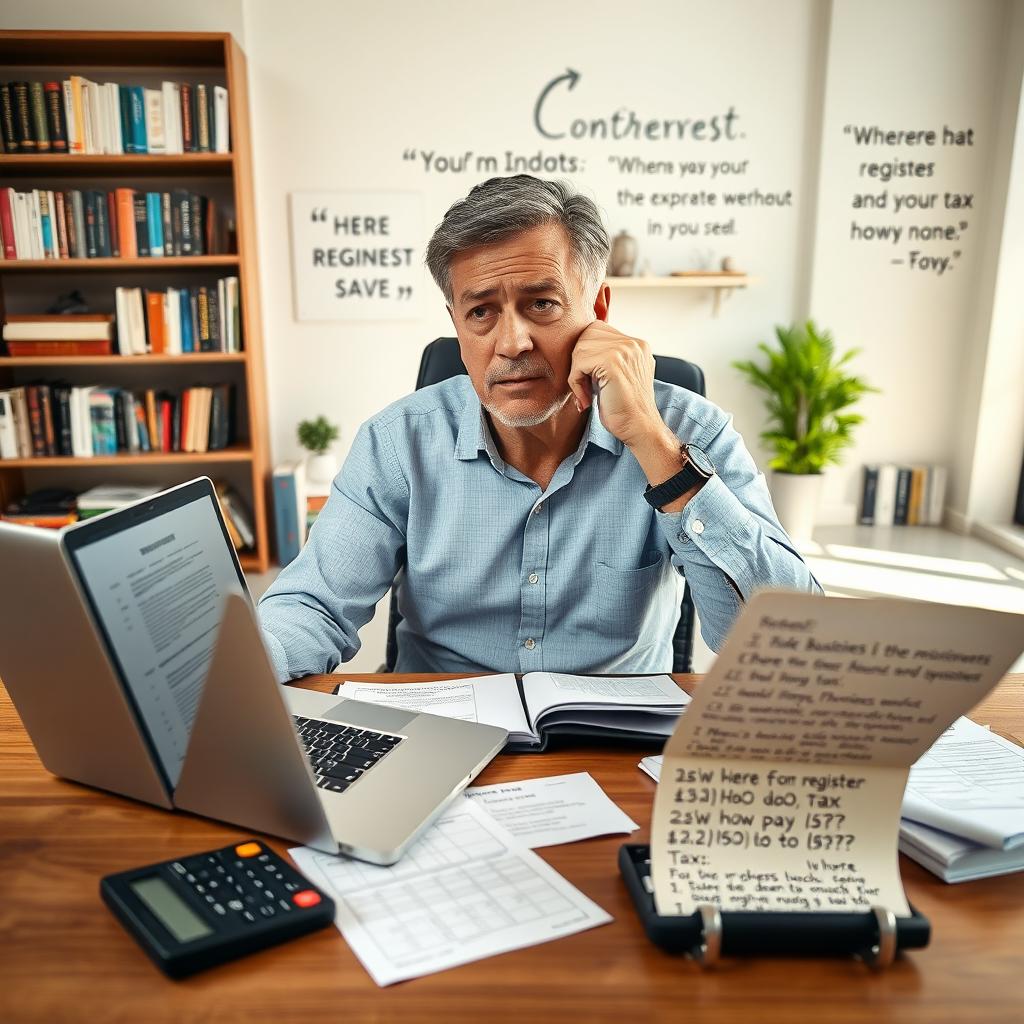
<point x="63" y="956"/>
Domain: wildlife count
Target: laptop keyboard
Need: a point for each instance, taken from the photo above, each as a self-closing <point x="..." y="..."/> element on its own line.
<point x="341" y="754"/>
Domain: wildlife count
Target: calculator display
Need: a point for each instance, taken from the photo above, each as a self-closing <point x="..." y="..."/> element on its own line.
<point x="170" y="909"/>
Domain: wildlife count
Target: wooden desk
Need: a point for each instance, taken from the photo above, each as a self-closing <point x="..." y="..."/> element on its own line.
<point x="64" y="957"/>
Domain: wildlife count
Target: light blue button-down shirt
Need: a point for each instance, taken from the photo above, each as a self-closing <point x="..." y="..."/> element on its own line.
<point x="583" y="576"/>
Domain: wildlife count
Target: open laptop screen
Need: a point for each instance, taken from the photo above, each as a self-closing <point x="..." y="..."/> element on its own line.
<point x="156" y="575"/>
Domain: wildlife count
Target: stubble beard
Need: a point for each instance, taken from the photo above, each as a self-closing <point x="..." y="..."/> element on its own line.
<point x="528" y="419"/>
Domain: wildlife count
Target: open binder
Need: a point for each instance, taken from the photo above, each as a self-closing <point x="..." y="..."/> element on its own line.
<point x="874" y="936"/>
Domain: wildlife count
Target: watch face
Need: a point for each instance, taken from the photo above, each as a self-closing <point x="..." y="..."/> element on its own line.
<point x="700" y="460"/>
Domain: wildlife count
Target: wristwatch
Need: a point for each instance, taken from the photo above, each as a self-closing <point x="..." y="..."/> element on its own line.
<point x="697" y="471"/>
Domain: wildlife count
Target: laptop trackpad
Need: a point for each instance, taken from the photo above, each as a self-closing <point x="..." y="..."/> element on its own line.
<point x="368" y="716"/>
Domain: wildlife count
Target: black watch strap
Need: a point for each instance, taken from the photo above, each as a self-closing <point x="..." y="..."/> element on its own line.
<point x="676" y="486"/>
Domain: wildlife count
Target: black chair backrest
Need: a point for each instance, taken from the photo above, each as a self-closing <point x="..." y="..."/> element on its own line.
<point x="441" y="360"/>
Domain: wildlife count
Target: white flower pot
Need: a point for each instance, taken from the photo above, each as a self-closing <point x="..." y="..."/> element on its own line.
<point x="795" y="496"/>
<point x="321" y="469"/>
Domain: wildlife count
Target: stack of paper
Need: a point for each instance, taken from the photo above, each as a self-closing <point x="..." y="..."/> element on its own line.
<point x="963" y="811"/>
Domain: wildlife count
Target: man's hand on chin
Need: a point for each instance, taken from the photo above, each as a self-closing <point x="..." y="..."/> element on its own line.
<point x="622" y="368"/>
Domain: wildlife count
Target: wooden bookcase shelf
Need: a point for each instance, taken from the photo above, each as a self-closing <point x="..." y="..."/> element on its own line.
<point x="136" y="164"/>
<point x="123" y="56"/>
<point x="157" y="263"/>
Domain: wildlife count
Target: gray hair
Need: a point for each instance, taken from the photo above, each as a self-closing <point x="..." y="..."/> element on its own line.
<point x="498" y="208"/>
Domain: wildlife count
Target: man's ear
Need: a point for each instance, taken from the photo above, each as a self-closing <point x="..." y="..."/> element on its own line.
<point x="602" y="302"/>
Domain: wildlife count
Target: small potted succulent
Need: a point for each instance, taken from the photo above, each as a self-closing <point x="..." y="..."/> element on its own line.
<point x="317" y="436"/>
<point x="806" y="388"/>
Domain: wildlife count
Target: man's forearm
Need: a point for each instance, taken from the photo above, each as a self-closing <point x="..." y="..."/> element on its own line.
<point x="661" y="456"/>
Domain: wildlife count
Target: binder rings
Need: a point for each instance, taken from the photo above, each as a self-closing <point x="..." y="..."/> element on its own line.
<point x="874" y="936"/>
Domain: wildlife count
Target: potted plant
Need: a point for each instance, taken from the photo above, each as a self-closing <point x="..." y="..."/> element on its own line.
<point x="317" y="436"/>
<point x="806" y="388"/>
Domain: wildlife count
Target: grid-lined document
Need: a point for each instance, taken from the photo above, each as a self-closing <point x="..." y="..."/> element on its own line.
<point x="467" y="890"/>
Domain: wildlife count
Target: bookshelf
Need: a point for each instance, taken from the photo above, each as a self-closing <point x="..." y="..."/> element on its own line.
<point x="29" y="286"/>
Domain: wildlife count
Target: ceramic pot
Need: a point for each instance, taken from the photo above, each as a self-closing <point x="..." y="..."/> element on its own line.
<point x="795" y="496"/>
<point x="321" y="469"/>
<point x="622" y="260"/>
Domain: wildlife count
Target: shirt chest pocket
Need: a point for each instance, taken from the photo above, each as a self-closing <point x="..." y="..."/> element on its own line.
<point x="627" y="601"/>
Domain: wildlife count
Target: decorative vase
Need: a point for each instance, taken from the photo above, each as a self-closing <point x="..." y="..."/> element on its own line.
<point x="622" y="260"/>
<point x="322" y="468"/>
<point x="795" y="496"/>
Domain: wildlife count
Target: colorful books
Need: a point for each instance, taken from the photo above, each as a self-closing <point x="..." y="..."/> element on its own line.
<point x="44" y="224"/>
<point x="289" y="483"/>
<point x="66" y="334"/>
<point x="40" y="420"/>
<point x="80" y="116"/>
<point x="894" y="495"/>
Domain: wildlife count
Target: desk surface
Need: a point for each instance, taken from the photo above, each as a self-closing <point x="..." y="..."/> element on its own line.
<point x="64" y="957"/>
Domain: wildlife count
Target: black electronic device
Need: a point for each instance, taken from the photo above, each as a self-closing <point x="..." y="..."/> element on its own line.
<point x="873" y="935"/>
<point x="205" y="909"/>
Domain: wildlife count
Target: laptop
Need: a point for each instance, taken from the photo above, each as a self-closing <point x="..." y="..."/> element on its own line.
<point x="131" y="650"/>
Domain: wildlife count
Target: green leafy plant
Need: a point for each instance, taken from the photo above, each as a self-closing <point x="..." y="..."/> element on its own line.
<point x="806" y="388"/>
<point x="317" y="435"/>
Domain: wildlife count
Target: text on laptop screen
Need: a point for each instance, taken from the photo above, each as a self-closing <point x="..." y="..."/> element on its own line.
<point x="158" y="587"/>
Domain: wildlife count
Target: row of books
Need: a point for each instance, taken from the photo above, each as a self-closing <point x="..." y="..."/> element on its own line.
<point x="297" y="503"/>
<point x="40" y="420"/>
<point x="56" y="507"/>
<point x="78" y="116"/>
<point x="177" y="321"/>
<point x="902" y="495"/>
<point x="45" y="224"/>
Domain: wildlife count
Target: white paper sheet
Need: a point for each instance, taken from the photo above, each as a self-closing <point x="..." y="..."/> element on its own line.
<point x="559" y="809"/>
<point x="782" y="785"/>
<point x="954" y="859"/>
<point x="492" y="700"/>
<point x="651" y="766"/>
<point x="467" y="890"/>
<point x="970" y="783"/>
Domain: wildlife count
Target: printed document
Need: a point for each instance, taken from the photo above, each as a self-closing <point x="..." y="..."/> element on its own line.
<point x="560" y="809"/>
<point x="782" y="785"/>
<point x="468" y="889"/>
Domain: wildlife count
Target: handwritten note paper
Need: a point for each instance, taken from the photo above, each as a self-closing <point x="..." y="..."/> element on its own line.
<point x="781" y="787"/>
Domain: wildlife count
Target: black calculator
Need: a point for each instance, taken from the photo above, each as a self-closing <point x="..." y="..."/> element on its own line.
<point x="203" y="910"/>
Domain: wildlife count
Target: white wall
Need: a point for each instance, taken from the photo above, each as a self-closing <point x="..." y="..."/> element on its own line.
<point x="128" y="16"/>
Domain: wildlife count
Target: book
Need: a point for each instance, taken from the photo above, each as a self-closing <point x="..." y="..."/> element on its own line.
<point x="8" y="428"/>
<point x="105" y="497"/>
<point x="936" y="495"/>
<point x="902" y="496"/>
<point x="543" y="705"/>
<point x="953" y="858"/>
<point x="289" y="509"/>
<point x="58" y="327"/>
<point x="867" y="498"/>
<point x="885" y="495"/>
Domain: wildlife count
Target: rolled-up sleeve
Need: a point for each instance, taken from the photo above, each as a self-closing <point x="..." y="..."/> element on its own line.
<point x="312" y="613"/>
<point x="728" y="541"/>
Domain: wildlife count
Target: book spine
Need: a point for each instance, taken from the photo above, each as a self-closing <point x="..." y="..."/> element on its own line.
<point x="202" y="119"/>
<point x="204" y="318"/>
<point x="35" y="421"/>
<point x="39" y="129"/>
<point x="46" y="224"/>
<point x="90" y="225"/>
<point x="78" y="219"/>
<point x="56" y="118"/>
<point x="141" y="228"/>
<point x="62" y="226"/>
<point x="102" y="224"/>
<point x="867" y="500"/>
<point x="113" y="234"/>
<point x="187" y="120"/>
<point x="182" y="202"/>
<point x="165" y="221"/>
<point x="903" y="475"/>
<point x="138" y="119"/>
<point x="62" y="396"/>
<point x="23" y="118"/>
<point x="286" y="523"/>
<point x="119" y="427"/>
<point x="216" y="342"/>
<point x="154" y="223"/>
<point x="7" y="224"/>
<point x="46" y="407"/>
<point x="10" y="134"/>
<point x="195" y="203"/>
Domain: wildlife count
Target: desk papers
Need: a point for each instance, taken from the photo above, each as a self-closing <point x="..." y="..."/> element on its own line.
<point x="781" y="787"/>
<point x="466" y="890"/>
<point x="971" y="784"/>
<point x="955" y="859"/>
<point x="559" y="809"/>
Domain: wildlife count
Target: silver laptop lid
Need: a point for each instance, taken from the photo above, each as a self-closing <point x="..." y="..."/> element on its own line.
<point x="154" y="576"/>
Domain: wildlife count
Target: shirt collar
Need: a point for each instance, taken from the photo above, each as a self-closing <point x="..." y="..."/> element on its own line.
<point x="475" y="435"/>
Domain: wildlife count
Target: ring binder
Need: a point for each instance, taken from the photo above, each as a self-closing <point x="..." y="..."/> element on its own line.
<point x="873" y="936"/>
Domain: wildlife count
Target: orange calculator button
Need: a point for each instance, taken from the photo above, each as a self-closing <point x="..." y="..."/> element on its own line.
<point x="306" y="898"/>
<point x="248" y="849"/>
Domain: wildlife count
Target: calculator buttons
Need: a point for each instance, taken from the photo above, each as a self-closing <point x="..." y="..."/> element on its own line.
<point x="249" y="850"/>
<point x="236" y="905"/>
<point x="306" y="898"/>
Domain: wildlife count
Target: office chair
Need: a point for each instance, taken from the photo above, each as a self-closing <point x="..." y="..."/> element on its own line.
<point x="441" y="360"/>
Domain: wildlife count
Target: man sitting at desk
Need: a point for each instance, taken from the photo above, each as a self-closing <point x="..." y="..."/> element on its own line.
<point x="545" y="508"/>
